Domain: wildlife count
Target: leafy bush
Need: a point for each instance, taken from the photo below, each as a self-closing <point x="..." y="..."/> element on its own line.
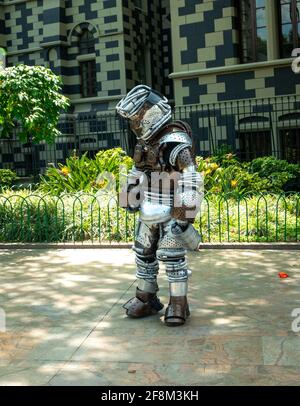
<point x="224" y="173"/>
<point x="7" y="177"/>
<point x="228" y="175"/>
<point x="32" y="96"/>
<point x="279" y="174"/>
<point x="84" y="174"/>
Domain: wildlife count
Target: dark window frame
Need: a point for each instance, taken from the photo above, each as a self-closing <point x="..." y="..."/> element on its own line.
<point x="290" y="151"/>
<point x="295" y="20"/>
<point x="87" y="68"/>
<point x="254" y="46"/>
<point x="260" y="142"/>
<point x="89" y="79"/>
<point x="86" y="42"/>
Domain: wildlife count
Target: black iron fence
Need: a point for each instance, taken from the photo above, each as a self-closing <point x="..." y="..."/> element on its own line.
<point x="87" y="218"/>
<point x="250" y="128"/>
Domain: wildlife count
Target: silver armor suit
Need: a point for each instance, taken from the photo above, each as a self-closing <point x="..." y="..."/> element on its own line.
<point x="165" y="188"/>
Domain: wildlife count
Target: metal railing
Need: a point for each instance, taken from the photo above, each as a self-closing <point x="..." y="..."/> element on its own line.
<point x="250" y="128"/>
<point x="29" y="217"/>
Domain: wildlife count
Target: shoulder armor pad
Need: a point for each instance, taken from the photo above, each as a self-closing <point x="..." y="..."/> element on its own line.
<point x="177" y="137"/>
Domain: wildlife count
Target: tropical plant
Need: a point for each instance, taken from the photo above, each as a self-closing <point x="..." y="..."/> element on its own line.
<point x="85" y="174"/>
<point x="228" y="176"/>
<point x="224" y="173"/>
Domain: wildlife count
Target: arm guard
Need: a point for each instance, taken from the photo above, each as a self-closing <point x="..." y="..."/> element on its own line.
<point x="130" y="195"/>
<point x="189" y="193"/>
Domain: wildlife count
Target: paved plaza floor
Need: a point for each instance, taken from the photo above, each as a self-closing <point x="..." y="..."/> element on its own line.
<point x="65" y="324"/>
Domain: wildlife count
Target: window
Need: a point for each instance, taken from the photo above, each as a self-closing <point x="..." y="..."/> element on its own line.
<point x="289" y="12"/>
<point x="86" y="42"/>
<point x="88" y="78"/>
<point x="141" y="66"/>
<point x="290" y="145"/>
<point x="255" y="144"/>
<point x="88" y="72"/>
<point x="253" y="31"/>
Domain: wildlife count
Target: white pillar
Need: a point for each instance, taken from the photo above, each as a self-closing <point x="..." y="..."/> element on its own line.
<point x="273" y="30"/>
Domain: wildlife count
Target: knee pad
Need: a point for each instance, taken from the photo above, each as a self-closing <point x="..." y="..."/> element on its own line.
<point x="146" y="240"/>
<point x="165" y="254"/>
<point x="169" y="246"/>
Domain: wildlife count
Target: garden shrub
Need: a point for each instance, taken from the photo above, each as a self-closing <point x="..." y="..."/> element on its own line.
<point x="279" y="174"/>
<point x="82" y="173"/>
<point x="7" y="177"/>
<point x="223" y="173"/>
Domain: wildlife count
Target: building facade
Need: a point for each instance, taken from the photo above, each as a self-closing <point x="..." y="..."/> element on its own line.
<point x="100" y="48"/>
<point x="224" y="64"/>
<point x="233" y="60"/>
<point x="216" y="57"/>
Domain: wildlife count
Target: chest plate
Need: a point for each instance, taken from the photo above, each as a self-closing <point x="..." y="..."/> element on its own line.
<point x="148" y="157"/>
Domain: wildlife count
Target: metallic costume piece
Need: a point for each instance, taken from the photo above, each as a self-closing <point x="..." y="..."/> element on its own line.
<point x="176" y="270"/>
<point x="146" y="270"/>
<point x="185" y="160"/>
<point x="128" y="199"/>
<point x="177" y="311"/>
<point x="153" y="212"/>
<point x="166" y="190"/>
<point x="146" y="286"/>
<point x="188" y="237"/>
<point x="178" y="289"/>
<point x="176" y="151"/>
<point x="143" y="304"/>
<point x="156" y="108"/>
<point x="188" y="196"/>
<point x="178" y="137"/>
<point x="169" y="248"/>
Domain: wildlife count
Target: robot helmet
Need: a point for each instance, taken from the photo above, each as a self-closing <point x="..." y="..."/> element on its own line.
<point x="146" y="109"/>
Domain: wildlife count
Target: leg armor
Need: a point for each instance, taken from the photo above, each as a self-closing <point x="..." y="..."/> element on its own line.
<point x="146" y="302"/>
<point x="171" y="252"/>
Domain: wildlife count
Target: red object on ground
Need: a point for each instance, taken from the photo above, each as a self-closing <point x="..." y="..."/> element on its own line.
<point x="283" y="275"/>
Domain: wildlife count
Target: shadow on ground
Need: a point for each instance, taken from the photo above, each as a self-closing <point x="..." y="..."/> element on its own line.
<point x="65" y="324"/>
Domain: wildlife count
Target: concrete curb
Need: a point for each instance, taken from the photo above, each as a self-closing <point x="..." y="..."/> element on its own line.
<point x="204" y="246"/>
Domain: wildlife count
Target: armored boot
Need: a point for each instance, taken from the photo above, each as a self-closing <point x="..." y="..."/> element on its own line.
<point x="178" y="309"/>
<point x="145" y="303"/>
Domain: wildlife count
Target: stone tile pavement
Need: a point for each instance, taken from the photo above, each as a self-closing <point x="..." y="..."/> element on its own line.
<point x="65" y="324"/>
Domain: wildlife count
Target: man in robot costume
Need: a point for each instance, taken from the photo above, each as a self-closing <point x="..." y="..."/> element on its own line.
<point x="164" y="151"/>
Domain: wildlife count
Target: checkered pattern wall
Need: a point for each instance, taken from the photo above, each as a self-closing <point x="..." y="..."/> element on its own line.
<point x="143" y="39"/>
<point x="206" y="38"/>
<point x="2" y="28"/>
<point x="46" y="32"/>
